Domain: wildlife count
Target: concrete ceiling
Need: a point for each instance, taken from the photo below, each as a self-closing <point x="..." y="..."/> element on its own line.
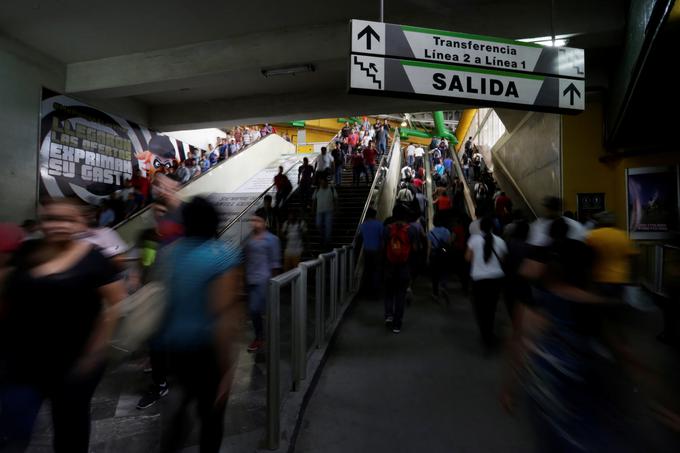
<point x="198" y="63"/>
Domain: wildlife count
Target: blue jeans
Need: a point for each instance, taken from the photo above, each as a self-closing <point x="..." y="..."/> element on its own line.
<point x="324" y="222"/>
<point x="382" y="147"/>
<point x="257" y="306"/>
<point x="410" y="160"/>
<point x="370" y="171"/>
<point x="338" y="175"/>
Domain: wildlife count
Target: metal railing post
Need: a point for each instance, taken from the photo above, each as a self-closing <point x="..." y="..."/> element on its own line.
<point x="273" y="353"/>
<point x="318" y="304"/>
<point x="295" y="334"/>
<point x="342" y="262"/>
<point x="350" y="248"/>
<point x="334" y="286"/>
<point x="322" y="302"/>
<point x="300" y="299"/>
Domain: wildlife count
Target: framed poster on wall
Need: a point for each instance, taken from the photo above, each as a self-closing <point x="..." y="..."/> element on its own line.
<point x="589" y="204"/>
<point x="652" y="202"/>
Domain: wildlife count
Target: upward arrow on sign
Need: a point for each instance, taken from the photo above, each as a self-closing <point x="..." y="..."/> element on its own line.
<point x="571" y="90"/>
<point x="368" y="32"/>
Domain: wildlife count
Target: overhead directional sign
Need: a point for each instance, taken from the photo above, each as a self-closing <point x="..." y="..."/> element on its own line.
<point x="459" y="83"/>
<point x="423" y="62"/>
<point x="404" y="41"/>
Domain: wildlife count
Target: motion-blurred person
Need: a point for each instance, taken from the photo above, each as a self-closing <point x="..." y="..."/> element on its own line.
<point x="398" y="237"/>
<point x="294" y="230"/>
<point x="324" y="165"/>
<point x="283" y="188"/>
<point x="60" y="308"/>
<point x="202" y="279"/>
<point x="11" y="238"/>
<point x="370" y="154"/>
<point x="262" y="261"/>
<point x="358" y="168"/>
<point x="613" y="253"/>
<point x="439" y="254"/>
<point x="339" y="162"/>
<point x="270" y="217"/>
<point x="371" y="237"/>
<point x="325" y="198"/>
<point x="558" y="332"/>
<point x="517" y="288"/>
<point x="539" y="235"/>
<point x="485" y="254"/>
<point x="305" y="179"/>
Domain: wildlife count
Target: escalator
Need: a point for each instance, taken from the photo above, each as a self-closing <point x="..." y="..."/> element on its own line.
<point x="225" y="178"/>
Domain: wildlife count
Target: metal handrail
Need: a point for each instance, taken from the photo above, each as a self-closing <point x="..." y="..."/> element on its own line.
<point x="469" y="200"/>
<point x="247" y="209"/>
<point x="428" y="191"/>
<point x="148" y="206"/>
<point x="369" y="199"/>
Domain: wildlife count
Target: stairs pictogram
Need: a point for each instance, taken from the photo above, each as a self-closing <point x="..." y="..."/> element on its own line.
<point x="367" y="70"/>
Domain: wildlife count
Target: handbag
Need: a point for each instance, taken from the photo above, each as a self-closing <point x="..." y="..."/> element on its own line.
<point x="142" y="313"/>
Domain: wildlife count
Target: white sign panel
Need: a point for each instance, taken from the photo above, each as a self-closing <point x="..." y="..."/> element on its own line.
<point x="451" y="82"/>
<point x="403" y="41"/>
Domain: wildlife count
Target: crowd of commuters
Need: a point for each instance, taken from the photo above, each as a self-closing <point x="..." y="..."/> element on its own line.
<point x="62" y="280"/>
<point x="138" y="191"/>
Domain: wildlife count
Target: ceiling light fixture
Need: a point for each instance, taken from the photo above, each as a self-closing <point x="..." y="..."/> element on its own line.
<point x="288" y="70"/>
<point x="548" y="41"/>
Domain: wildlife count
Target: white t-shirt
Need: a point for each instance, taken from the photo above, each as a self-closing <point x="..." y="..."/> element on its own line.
<point x="480" y="270"/>
<point x="475" y="227"/>
<point x="324" y="161"/>
<point x="410" y="151"/>
<point x="294" y="232"/>
<point x="419" y="151"/>
<point x="406" y="172"/>
<point x="539" y="232"/>
<point x="365" y="140"/>
<point x="325" y="199"/>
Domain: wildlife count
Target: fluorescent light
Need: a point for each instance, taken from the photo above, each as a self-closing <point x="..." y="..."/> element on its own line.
<point x="549" y="41"/>
<point x="289" y="70"/>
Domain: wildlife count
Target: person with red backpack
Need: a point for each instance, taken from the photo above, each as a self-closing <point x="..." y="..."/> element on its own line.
<point x="399" y="237"/>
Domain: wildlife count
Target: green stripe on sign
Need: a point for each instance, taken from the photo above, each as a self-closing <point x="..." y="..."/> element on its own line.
<point x="432" y="31"/>
<point x="449" y="67"/>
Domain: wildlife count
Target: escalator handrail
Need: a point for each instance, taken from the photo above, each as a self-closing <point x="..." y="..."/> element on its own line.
<point x="369" y="199"/>
<point x="247" y="209"/>
<point x="469" y="200"/>
<point x="236" y="219"/>
<point x="148" y="206"/>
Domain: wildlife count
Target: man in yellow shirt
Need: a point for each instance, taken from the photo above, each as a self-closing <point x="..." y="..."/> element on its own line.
<point x="613" y="251"/>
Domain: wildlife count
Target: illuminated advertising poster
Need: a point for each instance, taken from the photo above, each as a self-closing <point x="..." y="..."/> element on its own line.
<point x="88" y="153"/>
<point x="652" y="202"/>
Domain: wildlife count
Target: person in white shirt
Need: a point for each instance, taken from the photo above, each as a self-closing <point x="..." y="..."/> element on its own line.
<point x="324" y="164"/>
<point x="410" y="154"/>
<point x="419" y="152"/>
<point x="485" y="253"/>
<point x="365" y="140"/>
<point x="539" y="233"/>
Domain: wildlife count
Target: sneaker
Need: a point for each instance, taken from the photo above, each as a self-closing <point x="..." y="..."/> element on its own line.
<point x="389" y="319"/>
<point x="153" y="395"/>
<point x="396" y="330"/>
<point x="256" y="345"/>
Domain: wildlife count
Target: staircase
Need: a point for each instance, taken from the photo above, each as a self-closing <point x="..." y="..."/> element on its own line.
<point x="349" y="207"/>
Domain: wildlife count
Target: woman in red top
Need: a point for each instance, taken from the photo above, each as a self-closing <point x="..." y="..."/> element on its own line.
<point x="443" y="202"/>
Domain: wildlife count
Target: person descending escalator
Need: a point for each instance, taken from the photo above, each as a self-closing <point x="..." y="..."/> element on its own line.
<point x="262" y="261"/>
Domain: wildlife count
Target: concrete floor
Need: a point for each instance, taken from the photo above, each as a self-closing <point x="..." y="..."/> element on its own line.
<point x="428" y="389"/>
<point x="432" y="389"/>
